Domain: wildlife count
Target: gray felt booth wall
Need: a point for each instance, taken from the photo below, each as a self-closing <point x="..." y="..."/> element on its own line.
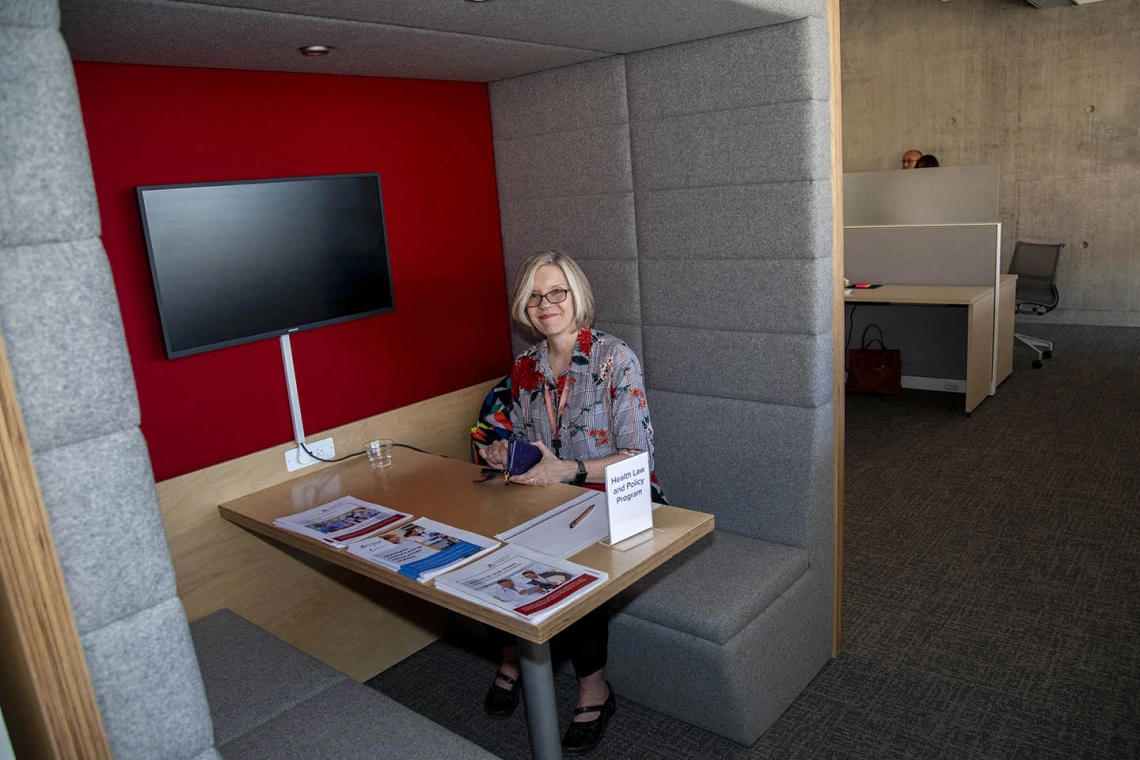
<point x="692" y="184"/>
<point x="60" y="319"/>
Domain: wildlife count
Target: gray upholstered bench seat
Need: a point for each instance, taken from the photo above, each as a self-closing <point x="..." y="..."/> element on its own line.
<point x="718" y="635"/>
<point x="268" y="699"/>
<point x="718" y="587"/>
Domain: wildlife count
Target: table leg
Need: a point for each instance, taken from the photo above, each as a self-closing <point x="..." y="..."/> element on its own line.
<point x="541" y="708"/>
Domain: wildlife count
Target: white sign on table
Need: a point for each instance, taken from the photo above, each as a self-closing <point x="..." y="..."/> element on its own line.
<point x="627" y="496"/>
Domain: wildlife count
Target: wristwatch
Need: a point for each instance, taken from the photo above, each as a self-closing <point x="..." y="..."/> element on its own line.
<point x="580" y="478"/>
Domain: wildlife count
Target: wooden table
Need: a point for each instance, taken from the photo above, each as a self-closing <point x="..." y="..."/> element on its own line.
<point x="442" y="489"/>
<point x="985" y="367"/>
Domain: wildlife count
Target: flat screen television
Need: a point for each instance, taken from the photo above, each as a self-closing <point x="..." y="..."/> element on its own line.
<point x="235" y="262"/>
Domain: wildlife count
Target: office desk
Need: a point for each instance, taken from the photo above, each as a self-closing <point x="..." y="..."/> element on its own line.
<point x="985" y="366"/>
<point x="442" y="489"/>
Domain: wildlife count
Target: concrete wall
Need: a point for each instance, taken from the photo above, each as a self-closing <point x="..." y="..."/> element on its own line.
<point x="1052" y="96"/>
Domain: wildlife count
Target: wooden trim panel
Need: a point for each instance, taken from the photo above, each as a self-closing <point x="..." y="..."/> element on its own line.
<point x="45" y="690"/>
<point x="837" y="327"/>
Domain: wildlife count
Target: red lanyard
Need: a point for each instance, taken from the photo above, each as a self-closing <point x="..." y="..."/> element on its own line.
<point x="556" y="424"/>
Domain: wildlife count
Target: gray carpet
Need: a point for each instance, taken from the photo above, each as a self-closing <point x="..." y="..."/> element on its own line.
<point x="992" y="605"/>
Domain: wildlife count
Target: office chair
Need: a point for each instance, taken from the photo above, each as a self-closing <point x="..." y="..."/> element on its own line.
<point x="1035" y="265"/>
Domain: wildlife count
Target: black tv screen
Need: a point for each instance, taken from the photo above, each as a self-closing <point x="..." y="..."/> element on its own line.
<point x="235" y="262"/>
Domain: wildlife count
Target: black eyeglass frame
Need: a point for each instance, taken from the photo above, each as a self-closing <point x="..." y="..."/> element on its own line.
<point x="531" y="303"/>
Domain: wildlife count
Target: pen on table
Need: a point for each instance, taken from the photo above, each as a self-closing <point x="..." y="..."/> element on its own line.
<point x="510" y="463"/>
<point x="582" y="516"/>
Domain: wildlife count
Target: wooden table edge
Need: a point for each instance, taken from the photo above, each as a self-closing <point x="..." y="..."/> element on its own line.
<point x="539" y="633"/>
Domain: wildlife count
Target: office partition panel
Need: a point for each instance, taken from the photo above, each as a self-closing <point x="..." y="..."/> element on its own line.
<point x="956" y="254"/>
<point x="932" y="338"/>
<point x="945" y="195"/>
<point x="924" y="227"/>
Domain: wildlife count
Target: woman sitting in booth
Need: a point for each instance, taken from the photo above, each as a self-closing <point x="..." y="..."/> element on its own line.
<point x="579" y="395"/>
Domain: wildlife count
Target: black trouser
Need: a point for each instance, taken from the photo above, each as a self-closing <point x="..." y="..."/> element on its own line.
<point x="587" y="642"/>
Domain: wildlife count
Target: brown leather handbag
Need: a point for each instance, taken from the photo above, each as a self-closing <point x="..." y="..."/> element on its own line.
<point x="874" y="370"/>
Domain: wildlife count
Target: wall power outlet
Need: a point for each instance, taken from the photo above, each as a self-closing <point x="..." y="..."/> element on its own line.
<point x="295" y="459"/>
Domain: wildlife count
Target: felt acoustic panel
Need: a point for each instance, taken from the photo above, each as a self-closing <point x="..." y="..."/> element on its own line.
<point x="629" y="332"/>
<point x="30" y="13"/>
<point x="47" y="192"/>
<point x="565" y="182"/>
<point x="787" y="142"/>
<point x="730" y="162"/>
<point x="775" y="368"/>
<point x="781" y="296"/>
<point x="616" y="289"/>
<point x="69" y="359"/>
<point x="584" y="226"/>
<point x="614" y="284"/>
<point x="148" y="685"/>
<point x="561" y="100"/>
<point x="777" y="64"/>
<point x="114" y="556"/>
<point x="764" y="469"/>
<point x="786" y="220"/>
<point x="730" y="143"/>
<point x="586" y="161"/>
<point x="60" y="320"/>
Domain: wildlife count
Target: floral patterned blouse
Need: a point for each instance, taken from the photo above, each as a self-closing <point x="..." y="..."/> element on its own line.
<point x="605" y="413"/>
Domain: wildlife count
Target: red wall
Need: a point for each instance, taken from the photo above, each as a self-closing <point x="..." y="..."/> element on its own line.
<point x="430" y="142"/>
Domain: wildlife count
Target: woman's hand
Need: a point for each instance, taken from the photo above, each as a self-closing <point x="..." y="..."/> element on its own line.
<point x="550" y="469"/>
<point x="495" y="455"/>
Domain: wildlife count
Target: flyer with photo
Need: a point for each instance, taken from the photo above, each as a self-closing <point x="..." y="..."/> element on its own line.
<point x="423" y="548"/>
<point x="341" y="521"/>
<point x="523" y="582"/>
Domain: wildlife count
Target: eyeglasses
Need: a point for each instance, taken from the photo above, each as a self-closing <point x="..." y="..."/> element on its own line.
<point x="558" y="295"/>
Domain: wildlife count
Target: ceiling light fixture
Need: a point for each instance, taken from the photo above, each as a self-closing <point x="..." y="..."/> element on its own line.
<point x="314" y="50"/>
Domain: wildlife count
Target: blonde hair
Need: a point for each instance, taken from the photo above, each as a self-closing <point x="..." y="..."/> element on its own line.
<point x="575" y="279"/>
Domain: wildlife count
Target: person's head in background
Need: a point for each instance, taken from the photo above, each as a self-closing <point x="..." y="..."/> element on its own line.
<point x="926" y="162"/>
<point x="910" y="158"/>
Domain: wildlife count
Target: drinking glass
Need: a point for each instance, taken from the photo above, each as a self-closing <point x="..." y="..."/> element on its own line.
<point x="379" y="452"/>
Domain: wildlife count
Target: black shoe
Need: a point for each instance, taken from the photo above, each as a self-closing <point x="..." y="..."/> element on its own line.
<point x="580" y="738"/>
<point x="500" y="702"/>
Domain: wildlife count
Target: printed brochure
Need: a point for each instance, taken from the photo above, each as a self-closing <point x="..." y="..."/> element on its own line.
<point x="525" y="583"/>
<point x="341" y="521"/>
<point x="423" y="548"/>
